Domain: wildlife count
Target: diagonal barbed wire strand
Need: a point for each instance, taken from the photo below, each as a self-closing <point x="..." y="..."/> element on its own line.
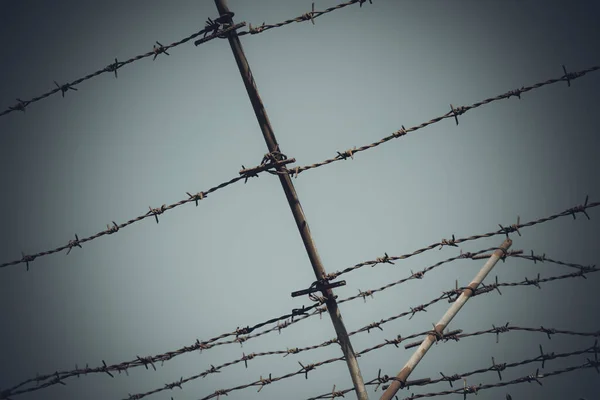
<point x="21" y="105"/>
<point x="504" y="230"/>
<point x="455" y="112"/>
<point x="310" y="367"/>
<point x="59" y="377"/>
<point x="376" y="325"/>
<point x="244" y="174"/>
<point x="455" y="377"/>
<point x="112" y="68"/>
<point x="301" y="313"/>
<point x="524" y="379"/>
<point x="308" y="16"/>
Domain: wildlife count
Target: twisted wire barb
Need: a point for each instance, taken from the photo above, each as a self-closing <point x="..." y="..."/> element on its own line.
<point x="379" y="380"/>
<point x="245" y="174"/>
<point x="454" y="242"/>
<point x="309" y="16"/>
<point x="157" y="49"/>
<point x="455" y="335"/>
<point x="453" y="113"/>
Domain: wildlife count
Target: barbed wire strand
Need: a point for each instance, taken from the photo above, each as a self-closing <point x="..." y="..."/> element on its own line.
<point x="439" y="327"/>
<point x="245" y="174"/>
<point x="112" y="68"/>
<point x="454" y="113"/>
<point x="59" y="377"/>
<point x="158" y="48"/>
<point x="309" y="16"/>
<point x="524" y="379"/>
<point x="543" y="357"/>
<point x="376" y="325"/>
<point x="303" y="371"/>
<point x="300" y="314"/>
<point x="504" y="230"/>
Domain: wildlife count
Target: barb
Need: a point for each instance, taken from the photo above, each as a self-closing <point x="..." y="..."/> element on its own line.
<point x="380" y="380"/>
<point x="444" y="242"/>
<point x="153" y="212"/>
<point x="453" y="113"/>
<point x="309" y="16"/>
<point x="113" y="67"/>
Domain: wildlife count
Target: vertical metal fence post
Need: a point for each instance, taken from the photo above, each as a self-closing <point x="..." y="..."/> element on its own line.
<point x="295" y="206"/>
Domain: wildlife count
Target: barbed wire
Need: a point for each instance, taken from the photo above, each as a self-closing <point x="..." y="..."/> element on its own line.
<point x="455" y="112"/>
<point x="244" y="334"/>
<point x="320" y="301"/>
<point x="504" y="230"/>
<point x="524" y="379"/>
<point x="454" y="335"/>
<point x="265" y="166"/>
<point x="309" y="367"/>
<point x="215" y="28"/>
<point x="309" y="16"/>
<point x="300" y="313"/>
<point x="543" y="357"/>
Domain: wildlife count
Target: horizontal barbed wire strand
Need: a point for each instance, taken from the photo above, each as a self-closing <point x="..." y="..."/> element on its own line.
<point x="524" y="379"/>
<point x="310" y="367"/>
<point x="112" y="68"/>
<point x="59" y="377"/>
<point x="543" y="357"/>
<point x="160" y="49"/>
<point x="376" y="325"/>
<point x="504" y="230"/>
<point x="153" y="212"/>
<point x="454" y="113"/>
<point x="308" y="16"/>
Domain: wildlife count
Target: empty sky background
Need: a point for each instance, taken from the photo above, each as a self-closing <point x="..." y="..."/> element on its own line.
<point x="184" y="123"/>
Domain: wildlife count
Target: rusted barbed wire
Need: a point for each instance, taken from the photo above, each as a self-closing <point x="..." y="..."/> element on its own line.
<point x="59" y="377"/>
<point x="157" y="49"/>
<point x="380" y="380"/>
<point x="321" y="308"/>
<point x="454" y="335"/>
<point x="524" y="379"/>
<point x="244" y="334"/>
<point x="504" y="230"/>
<point x="212" y="30"/>
<point x="245" y="174"/>
<point x="497" y="330"/>
<point x="453" y="113"/>
<point x="420" y="274"/>
<point x="452" y="294"/>
<point x="543" y="357"/>
<point x="309" y="16"/>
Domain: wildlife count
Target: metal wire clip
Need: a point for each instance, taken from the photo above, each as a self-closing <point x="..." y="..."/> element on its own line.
<point x="319" y="286"/>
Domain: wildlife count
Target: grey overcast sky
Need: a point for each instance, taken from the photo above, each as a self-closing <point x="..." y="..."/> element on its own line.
<point x="183" y="123"/>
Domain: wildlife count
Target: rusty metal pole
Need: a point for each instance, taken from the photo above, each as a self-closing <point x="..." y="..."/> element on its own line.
<point x="443" y="323"/>
<point x="292" y="198"/>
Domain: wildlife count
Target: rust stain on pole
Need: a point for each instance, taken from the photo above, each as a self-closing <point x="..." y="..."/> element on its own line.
<point x="444" y="321"/>
<point x="295" y="206"/>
